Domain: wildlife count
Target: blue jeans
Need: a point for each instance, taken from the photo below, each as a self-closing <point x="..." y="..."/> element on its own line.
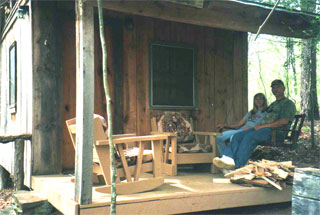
<point x="222" y="139"/>
<point x="243" y="144"/>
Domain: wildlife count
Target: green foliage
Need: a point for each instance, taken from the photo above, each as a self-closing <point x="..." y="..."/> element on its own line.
<point x="193" y="3"/>
<point x="267" y="61"/>
<point x="268" y="55"/>
<point x="300" y="5"/>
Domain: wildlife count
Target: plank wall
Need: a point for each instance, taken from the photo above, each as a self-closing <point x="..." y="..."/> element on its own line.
<point x="20" y="120"/>
<point x="221" y="73"/>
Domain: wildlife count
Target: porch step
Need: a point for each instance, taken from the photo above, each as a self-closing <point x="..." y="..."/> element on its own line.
<point x="30" y="202"/>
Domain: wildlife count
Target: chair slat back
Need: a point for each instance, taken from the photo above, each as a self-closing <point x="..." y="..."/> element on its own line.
<point x="98" y="133"/>
<point x="295" y="131"/>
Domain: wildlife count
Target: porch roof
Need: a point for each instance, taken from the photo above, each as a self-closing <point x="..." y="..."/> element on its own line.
<point x="226" y="14"/>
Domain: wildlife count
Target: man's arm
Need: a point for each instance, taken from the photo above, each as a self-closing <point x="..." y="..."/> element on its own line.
<point x="276" y="124"/>
<point x="286" y="115"/>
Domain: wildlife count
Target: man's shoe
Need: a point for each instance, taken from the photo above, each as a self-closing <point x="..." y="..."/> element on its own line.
<point x="224" y="162"/>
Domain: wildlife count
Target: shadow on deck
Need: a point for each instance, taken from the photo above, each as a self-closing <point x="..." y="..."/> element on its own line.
<point x="188" y="192"/>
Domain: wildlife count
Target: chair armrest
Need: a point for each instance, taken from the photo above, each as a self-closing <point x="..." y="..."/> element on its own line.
<point x="206" y="133"/>
<point x="116" y="136"/>
<point x="132" y="139"/>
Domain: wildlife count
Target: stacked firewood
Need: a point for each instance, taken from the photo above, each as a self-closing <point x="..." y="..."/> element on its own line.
<point x="264" y="173"/>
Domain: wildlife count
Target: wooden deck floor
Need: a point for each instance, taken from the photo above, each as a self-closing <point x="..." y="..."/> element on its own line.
<point x="187" y="192"/>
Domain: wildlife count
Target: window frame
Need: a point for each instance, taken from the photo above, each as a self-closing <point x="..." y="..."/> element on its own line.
<point x="13" y="89"/>
<point x="194" y="78"/>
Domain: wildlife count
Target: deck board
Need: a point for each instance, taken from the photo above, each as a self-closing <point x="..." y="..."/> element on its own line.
<point x="187" y="192"/>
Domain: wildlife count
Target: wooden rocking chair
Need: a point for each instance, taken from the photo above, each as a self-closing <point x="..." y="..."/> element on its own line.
<point x="172" y="159"/>
<point x="130" y="174"/>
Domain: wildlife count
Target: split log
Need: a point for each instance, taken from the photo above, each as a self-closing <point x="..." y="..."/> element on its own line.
<point x="272" y="183"/>
<point x="255" y="182"/>
<point x="11" y="138"/>
<point x="244" y="176"/>
<point x="244" y="170"/>
<point x="264" y="173"/>
<point x="280" y="173"/>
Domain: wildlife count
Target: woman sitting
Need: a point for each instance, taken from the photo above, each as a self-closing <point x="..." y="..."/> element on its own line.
<point x="251" y="119"/>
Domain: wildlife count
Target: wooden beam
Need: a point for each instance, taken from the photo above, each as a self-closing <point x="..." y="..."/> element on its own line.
<point x="229" y="15"/>
<point x="46" y="88"/>
<point x="18" y="164"/>
<point x="85" y="101"/>
<point x="10" y="138"/>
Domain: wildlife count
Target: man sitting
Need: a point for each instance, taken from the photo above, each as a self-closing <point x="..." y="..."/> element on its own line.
<point x="279" y="115"/>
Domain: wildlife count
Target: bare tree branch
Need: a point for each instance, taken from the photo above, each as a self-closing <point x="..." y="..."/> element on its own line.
<point x="265" y="21"/>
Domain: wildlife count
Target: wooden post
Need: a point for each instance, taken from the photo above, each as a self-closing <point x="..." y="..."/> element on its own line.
<point x="18" y="164"/>
<point x="85" y="99"/>
<point x="46" y="88"/>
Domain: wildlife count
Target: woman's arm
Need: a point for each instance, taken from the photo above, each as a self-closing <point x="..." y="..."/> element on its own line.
<point x="234" y="125"/>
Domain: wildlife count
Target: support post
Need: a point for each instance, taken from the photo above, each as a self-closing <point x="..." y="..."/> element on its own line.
<point x="46" y="88"/>
<point x="18" y="164"/>
<point x="85" y="100"/>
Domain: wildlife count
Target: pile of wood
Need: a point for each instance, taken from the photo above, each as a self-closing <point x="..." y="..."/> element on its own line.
<point x="264" y="173"/>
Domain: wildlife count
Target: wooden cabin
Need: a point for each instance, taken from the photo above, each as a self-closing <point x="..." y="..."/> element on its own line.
<point x="39" y="68"/>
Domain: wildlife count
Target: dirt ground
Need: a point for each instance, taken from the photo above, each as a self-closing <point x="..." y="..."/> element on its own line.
<point x="303" y="155"/>
<point x="5" y="199"/>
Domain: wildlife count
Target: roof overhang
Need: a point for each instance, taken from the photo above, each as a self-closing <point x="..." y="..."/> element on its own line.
<point x="225" y="14"/>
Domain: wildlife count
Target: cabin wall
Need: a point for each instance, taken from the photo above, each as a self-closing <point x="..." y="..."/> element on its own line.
<point x="20" y="121"/>
<point x="221" y="73"/>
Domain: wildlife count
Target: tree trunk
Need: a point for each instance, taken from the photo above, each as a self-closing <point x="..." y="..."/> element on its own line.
<point x="313" y="82"/>
<point x="287" y="66"/>
<point x="309" y="66"/>
<point x="108" y="100"/>
<point x="309" y="102"/>
<point x="305" y="74"/>
<point x="291" y="66"/>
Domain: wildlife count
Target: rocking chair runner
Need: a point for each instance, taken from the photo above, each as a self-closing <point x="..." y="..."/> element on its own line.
<point x="101" y="159"/>
<point x="173" y="158"/>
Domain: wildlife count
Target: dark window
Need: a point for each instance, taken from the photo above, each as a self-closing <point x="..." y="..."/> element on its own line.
<point x="13" y="76"/>
<point x="172" y="76"/>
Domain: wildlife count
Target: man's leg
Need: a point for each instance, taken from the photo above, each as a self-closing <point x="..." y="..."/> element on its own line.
<point x="232" y="148"/>
<point x="221" y="140"/>
<point x="249" y="143"/>
<point x="226" y="161"/>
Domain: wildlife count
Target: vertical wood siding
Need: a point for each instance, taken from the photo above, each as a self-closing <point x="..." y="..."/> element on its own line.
<point x="20" y="121"/>
<point x="221" y="73"/>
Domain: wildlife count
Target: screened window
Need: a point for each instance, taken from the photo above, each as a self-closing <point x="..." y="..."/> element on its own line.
<point x="13" y="76"/>
<point x="172" y="76"/>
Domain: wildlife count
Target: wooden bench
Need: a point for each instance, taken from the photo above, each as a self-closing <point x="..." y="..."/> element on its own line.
<point x="292" y="134"/>
<point x="172" y="159"/>
<point x="128" y="177"/>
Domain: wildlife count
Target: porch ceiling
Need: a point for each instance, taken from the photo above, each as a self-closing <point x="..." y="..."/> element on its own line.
<point x="227" y="14"/>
